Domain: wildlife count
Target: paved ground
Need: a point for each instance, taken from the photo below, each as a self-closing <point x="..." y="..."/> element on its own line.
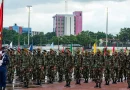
<point x="83" y="86"/>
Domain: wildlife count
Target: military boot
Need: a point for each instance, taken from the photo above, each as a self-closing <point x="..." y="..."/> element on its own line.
<point x="121" y="80"/>
<point x="76" y="81"/>
<point x="96" y="85"/>
<point x="38" y="82"/>
<point x="128" y="86"/>
<point x="99" y="85"/>
<point x="68" y="84"/>
<point x="106" y="83"/>
<point x="125" y="79"/>
<point x="3" y="88"/>
<point x="79" y="82"/>
<point x="118" y="80"/>
<point x="86" y="81"/>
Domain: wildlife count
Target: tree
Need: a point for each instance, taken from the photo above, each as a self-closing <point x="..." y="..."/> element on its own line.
<point x="124" y="34"/>
<point x="9" y="36"/>
<point x="83" y="38"/>
<point x="50" y="35"/>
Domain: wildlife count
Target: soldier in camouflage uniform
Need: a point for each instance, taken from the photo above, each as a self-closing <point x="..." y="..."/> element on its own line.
<point x="98" y="71"/>
<point x="11" y="67"/>
<point x="86" y="67"/>
<point x="26" y="68"/>
<point x="69" y="63"/>
<point x="38" y="66"/>
<point x="78" y="66"/>
<point x="113" y="69"/>
<point x="34" y="69"/>
<point x="92" y="57"/>
<point x="42" y="68"/>
<point x="120" y="68"/>
<point x="60" y="65"/>
<point x="107" y="71"/>
<point x="51" y="61"/>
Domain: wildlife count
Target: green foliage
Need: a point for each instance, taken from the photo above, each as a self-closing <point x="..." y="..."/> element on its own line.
<point x="85" y="38"/>
<point x="124" y="34"/>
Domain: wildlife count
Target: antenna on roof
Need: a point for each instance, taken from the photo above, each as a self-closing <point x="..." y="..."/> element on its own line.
<point x="66" y="6"/>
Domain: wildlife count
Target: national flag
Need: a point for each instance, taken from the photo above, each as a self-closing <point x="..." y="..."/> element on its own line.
<point x="125" y="49"/>
<point x="82" y="49"/>
<point x="31" y="48"/>
<point x="52" y="45"/>
<point x="105" y="50"/>
<point x="1" y="22"/>
<point x="71" y="47"/>
<point x="11" y="45"/>
<point x="94" y="48"/>
<point x="63" y="49"/>
<point x="18" y="48"/>
<point x="113" y="49"/>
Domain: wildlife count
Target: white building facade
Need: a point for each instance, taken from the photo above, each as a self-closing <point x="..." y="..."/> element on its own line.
<point x="69" y="25"/>
<point x="36" y="33"/>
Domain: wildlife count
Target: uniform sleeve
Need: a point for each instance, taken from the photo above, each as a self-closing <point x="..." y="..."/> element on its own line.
<point x="6" y="60"/>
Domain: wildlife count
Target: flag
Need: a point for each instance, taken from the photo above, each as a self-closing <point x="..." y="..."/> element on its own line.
<point x="82" y="49"/>
<point x="18" y="48"/>
<point x="125" y="49"/>
<point x="1" y="22"/>
<point x="71" y="47"/>
<point x="105" y="50"/>
<point x="52" y="45"/>
<point x="63" y="49"/>
<point x="31" y="48"/>
<point x="94" y="48"/>
<point x="11" y="45"/>
<point x="113" y="49"/>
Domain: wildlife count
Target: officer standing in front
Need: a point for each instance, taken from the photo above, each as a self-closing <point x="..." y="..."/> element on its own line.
<point x="4" y="60"/>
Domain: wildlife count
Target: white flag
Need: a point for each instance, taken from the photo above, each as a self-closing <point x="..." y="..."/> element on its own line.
<point x="11" y="45"/>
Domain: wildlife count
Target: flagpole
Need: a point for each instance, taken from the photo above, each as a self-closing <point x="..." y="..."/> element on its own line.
<point x="107" y="28"/>
<point x="29" y="8"/>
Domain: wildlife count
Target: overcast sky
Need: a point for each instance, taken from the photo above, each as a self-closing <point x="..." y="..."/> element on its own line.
<point x="94" y="13"/>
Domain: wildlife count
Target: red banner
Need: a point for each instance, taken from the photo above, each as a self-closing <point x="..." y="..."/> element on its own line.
<point x="1" y="23"/>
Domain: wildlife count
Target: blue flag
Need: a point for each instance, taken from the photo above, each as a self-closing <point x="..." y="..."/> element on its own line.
<point x="52" y="45"/>
<point x="31" y="48"/>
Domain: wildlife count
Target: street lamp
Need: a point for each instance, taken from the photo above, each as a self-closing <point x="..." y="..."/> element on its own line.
<point x="107" y="27"/>
<point x="29" y="8"/>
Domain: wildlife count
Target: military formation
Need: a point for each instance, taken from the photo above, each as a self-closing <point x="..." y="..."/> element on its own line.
<point x="37" y="66"/>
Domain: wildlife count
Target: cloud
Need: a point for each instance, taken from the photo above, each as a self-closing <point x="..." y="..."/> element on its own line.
<point x="11" y="4"/>
<point x="98" y="0"/>
<point x="94" y="14"/>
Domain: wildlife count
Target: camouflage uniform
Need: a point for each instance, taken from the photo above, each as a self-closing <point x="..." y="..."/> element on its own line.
<point x="78" y="67"/>
<point x="51" y="72"/>
<point x="86" y="67"/>
<point x="60" y="65"/>
<point x="68" y="68"/>
<point x="107" y="73"/>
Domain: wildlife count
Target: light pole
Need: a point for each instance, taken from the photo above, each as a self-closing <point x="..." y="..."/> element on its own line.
<point x="29" y="8"/>
<point x="107" y="28"/>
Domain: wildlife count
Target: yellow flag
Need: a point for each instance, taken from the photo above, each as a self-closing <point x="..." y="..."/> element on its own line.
<point x="94" y="48"/>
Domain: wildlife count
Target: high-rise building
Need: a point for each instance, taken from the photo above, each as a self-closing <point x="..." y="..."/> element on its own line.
<point x="67" y="24"/>
<point x="78" y="22"/>
<point x="18" y="29"/>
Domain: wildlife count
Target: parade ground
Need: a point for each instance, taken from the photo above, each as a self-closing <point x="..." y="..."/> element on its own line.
<point x="83" y="86"/>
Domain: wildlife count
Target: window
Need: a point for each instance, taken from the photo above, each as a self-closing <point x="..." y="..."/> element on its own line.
<point x="80" y="14"/>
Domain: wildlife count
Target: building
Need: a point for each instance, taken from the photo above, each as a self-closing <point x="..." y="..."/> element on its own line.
<point x="36" y="33"/>
<point x="19" y="29"/>
<point x="67" y="24"/>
